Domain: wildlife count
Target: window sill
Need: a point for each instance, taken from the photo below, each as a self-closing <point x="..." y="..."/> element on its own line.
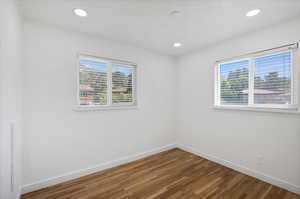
<point x="259" y="109"/>
<point x="80" y="108"/>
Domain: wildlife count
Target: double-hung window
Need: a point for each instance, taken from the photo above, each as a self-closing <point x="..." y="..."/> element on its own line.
<point x="265" y="79"/>
<point x="106" y="83"/>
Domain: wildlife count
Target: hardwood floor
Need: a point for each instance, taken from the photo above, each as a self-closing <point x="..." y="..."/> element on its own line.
<point x="171" y="174"/>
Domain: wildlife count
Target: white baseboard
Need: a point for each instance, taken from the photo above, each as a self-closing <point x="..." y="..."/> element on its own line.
<point x="79" y="173"/>
<point x="82" y="172"/>
<point x="269" y="179"/>
<point x="19" y="192"/>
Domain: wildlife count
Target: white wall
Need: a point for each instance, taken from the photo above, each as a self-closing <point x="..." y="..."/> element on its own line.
<point x="238" y="136"/>
<point x="10" y="96"/>
<point x="57" y="139"/>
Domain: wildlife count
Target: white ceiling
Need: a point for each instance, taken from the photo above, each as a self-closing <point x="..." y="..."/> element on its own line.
<point x="147" y="23"/>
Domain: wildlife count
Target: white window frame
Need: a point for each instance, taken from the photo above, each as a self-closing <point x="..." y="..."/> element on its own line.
<point x="110" y="105"/>
<point x="288" y="108"/>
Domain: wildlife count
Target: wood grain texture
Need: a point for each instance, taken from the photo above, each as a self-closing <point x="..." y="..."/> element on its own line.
<point x="171" y="174"/>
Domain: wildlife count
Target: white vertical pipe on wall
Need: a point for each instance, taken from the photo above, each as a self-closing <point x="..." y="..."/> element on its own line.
<point x="12" y="155"/>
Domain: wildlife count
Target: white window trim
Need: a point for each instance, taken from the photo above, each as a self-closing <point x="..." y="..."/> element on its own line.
<point x="109" y="105"/>
<point x="279" y="108"/>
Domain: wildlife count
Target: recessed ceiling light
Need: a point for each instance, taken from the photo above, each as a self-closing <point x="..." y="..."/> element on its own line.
<point x="80" y="12"/>
<point x="177" y="44"/>
<point x="252" y="13"/>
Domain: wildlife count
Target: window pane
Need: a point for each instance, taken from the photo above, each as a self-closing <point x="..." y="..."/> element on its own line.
<point x="234" y="83"/>
<point x="93" y="82"/>
<point x="272" y="83"/>
<point x="122" y="84"/>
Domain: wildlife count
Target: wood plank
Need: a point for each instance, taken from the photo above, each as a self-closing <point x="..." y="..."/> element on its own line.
<point x="173" y="174"/>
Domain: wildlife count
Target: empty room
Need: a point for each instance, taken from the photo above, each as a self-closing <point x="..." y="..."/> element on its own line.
<point x="149" y="99"/>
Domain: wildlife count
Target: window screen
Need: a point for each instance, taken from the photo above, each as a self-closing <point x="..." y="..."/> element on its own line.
<point x="122" y="84"/>
<point x="272" y="80"/>
<point x="93" y="82"/>
<point x="234" y="82"/>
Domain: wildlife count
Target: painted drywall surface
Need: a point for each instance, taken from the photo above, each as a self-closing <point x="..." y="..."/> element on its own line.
<point x="57" y="139"/>
<point x="238" y="136"/>
<point x="10" y="97"/>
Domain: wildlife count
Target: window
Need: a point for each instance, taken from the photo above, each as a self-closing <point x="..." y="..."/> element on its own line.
<point x="259" y="80"/>
<point x="122" y="84"/>
<point x="272" y="79"/>
<point x="106" y="83"/>
<point x="234" y="79"/>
